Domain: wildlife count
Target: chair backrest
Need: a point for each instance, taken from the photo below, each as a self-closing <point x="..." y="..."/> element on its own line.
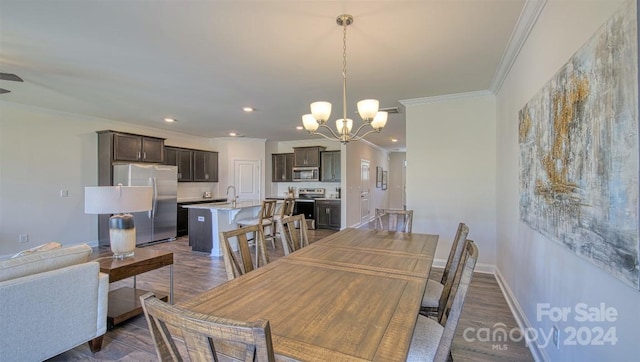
<point x="286" y="209"/>
<point x="454" y="263"/>
<point x="267" y="210"/>
<point x="237" y="265"/>
<point x="456" y="300"/>
<point x="292" y="238"/>
<point x="456" y="251"/>
<point x="399" y="220"/>
<point x="206" y="337"/>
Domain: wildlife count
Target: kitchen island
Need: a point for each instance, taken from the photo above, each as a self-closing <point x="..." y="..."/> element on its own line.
<point x="206" y="221"/>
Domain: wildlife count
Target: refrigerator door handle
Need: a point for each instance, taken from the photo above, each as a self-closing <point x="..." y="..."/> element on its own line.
<point x="154" y="201"/>
<point x="155" y="198"/>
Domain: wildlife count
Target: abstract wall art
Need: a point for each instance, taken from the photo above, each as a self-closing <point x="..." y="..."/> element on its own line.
<point x="578" y="141"/>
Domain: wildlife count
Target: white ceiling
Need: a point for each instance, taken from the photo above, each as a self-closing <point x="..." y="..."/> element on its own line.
<point x="201" y="61"/>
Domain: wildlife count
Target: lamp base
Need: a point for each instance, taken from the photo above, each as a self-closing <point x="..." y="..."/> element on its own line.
<point x="122" y="235"/>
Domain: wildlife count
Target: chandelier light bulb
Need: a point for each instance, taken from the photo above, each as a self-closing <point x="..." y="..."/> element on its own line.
<point x="380" y="120"/>
<point x="368" y="108"/>
<point x="321" y="111"/>
<point x="310" y="123"/>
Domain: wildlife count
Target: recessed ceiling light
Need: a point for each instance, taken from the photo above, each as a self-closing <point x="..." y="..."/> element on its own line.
<point x="170" y="120"/>
<point x="232" y="134"/>
<point x="248" y="109"/>
<point x="299" y="127"/>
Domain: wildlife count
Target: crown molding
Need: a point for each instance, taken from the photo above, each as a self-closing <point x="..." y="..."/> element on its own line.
<point x="444" y="98"/>
<point x="528" y="18"/>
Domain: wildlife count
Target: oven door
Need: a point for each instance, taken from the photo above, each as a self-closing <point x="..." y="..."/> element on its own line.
<point x="306" y="207"/>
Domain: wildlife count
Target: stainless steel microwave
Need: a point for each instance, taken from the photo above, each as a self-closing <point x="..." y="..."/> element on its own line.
<point x="306" y="174"/>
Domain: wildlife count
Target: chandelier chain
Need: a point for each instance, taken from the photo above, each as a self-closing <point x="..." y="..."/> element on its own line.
<point x="344" y="71"/>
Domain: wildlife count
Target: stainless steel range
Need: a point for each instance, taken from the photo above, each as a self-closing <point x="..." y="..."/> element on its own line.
<point x="306" y="204"/>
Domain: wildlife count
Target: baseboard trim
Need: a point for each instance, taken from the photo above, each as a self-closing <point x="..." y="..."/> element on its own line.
<point x="480" y="267"/>
<point x="518" y="314"/>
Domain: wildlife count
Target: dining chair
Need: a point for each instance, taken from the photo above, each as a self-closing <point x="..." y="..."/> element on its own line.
<point x="293" y="239"/>
<point x="207" y="337"/>
<point x="394" y="216"/>
<point x="237" y="265"/>
<point x="437" y="292"/>
<point x="432" y="339"/>
<point x="265" y="219"/>
<point x="284" y="210"/>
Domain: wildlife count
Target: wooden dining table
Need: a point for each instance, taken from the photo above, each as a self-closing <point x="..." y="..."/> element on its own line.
<point x="352" y="296"/>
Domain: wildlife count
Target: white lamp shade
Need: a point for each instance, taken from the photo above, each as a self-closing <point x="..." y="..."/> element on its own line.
<point x="321" y="111"/>
<point x="341" y="123"/>
<point x="117" y="199"/>
<point x="309" y="123"/>
<point x="380" y="120"/>
<point x="368" y="108"/>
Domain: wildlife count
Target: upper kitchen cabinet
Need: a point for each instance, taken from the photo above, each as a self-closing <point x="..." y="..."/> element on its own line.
<point x="282" y="167"/>
<point x="330" y="166"/>
<point x="205" y="166"/>
<point x="307" y="156"/>
<point x="183" y="159"/>
<point x="126" y="147"/>
<point x="135" y="148"/>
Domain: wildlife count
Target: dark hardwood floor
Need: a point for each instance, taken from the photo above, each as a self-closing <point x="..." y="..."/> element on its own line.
<point x="484" y="312"/>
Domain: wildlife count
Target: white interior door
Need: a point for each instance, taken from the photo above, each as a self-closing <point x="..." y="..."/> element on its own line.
<point x="247" y="179"/>
<point x="365" y="209"/>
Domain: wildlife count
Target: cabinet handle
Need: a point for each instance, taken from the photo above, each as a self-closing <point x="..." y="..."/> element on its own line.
<point x="206" y="176"/>
<point x="179" y="176"/>
<point x="326" y="211"/>
<point x="144" y="155"/>
<point x="138" y="155"/>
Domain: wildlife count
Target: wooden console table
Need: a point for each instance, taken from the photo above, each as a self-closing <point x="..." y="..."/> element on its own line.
<point x="124" y="303"/>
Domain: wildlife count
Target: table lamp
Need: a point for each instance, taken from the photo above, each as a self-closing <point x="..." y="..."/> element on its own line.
<point x="120" y="201"/>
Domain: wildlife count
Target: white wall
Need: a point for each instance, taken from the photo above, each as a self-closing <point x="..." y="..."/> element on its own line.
<point x="451" y="169"/>
<point x="534" y="268"/>
<point x="44" y="151"/>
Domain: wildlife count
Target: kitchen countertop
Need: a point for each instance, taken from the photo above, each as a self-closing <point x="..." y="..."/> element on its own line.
<point x="299" y="199"/>
<point x="199" y="199"/>
<point x="226" y="205"/>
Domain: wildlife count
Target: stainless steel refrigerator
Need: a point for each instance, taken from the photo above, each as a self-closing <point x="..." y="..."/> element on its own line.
<point x="160" y="222"/>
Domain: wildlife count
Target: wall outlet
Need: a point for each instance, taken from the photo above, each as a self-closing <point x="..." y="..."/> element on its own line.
<point x="556" y="336"/>
<point x="23" y="238"/>
<point x="64" y="193"/>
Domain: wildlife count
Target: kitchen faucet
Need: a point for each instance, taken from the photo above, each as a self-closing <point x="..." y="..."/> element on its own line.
<point x="234" y="194"/>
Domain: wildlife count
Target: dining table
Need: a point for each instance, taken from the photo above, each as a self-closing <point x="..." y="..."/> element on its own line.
<point x="352" y="296"/>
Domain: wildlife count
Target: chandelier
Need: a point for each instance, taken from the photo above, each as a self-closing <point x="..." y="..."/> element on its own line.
<point x="368" y="108"/>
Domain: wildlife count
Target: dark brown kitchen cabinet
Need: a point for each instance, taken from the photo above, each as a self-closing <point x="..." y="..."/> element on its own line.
<point x="328" y="214"/>
<point x="330" y="166"/>
<point x="205" y="166"/>
<point x="282" y="167"/>
<point x="183" y="159"/>
<point x="135" y="148"/>
<point x="307" y="156"/>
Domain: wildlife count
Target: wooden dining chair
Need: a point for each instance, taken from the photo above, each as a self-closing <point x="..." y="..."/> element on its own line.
<point x="398" y="220"/>
<point x="293" y="239"/>
<point x="265" y="219"/>
<point x="207" y="338"/>
<point x="285" y="210"/>
<point x="432" y="340"/>
<point x="237" y="265"/>
<point x="437" y="291"/>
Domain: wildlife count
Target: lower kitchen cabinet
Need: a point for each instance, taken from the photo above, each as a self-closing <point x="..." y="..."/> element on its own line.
<point x="328" y="214"/>
<point x="183" y="214"/>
